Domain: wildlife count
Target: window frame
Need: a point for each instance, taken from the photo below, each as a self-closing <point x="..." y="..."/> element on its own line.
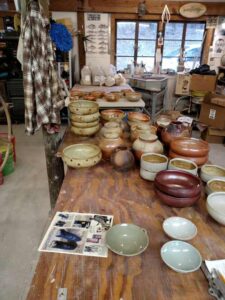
<point x="136" y="39"/>
<point x="183" y="40"/>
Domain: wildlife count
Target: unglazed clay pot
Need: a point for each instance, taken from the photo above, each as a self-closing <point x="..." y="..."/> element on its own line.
<point x="190" y="147"/>
<point x="122" y="159"/>
<point x="147" y="143"/>
<point x="174" y="130"/>
<point x="109" y="142"/>
<point x="111" y="127"/>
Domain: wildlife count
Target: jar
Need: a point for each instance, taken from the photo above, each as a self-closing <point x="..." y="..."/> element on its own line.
<point x="122" y="158"/>
<point x="109" y="142"/>
<point x="86" y="76"/>
<point x="147" y="142"/>
<point x="111" y="127"/>
<point x="174" y="130"/>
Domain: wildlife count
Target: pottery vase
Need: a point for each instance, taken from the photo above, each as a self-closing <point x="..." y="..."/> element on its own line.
<point x="174" y="130"/>
<point x="108" y="143"/>
<point x="147" y="143"/>
<point x="122" y="158"/>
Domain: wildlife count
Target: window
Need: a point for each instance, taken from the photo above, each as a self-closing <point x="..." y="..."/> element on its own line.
<point x="187" y="36"/>
<point x="135" y="43"/>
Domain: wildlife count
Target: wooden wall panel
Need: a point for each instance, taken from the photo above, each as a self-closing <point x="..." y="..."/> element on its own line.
<point x="63" y="5"/>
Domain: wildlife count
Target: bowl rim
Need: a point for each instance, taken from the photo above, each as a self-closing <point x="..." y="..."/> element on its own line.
<point x="138" y="119"/>
<point x="92" y="104"/>
<point x="133" y="225"/>
<point x="185" y="160"/>
<point x="216" y="166"/>
<point x="184" y="243"/>
<point x="209" y="199"/>
<point x="81" y="145"/>
<point x="176" y="237"/>
<point x="156" y="154"/>
<point x="215" y="179"/>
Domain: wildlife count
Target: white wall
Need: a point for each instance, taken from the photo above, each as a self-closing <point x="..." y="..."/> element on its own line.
<point x="75" y="55"/>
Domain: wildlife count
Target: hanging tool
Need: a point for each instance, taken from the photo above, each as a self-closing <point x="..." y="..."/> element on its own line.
<point x="165" y="15"/>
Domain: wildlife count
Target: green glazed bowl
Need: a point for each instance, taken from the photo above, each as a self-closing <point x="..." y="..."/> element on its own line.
<point x="181" y="257"/>
<point x="127" y="239"/>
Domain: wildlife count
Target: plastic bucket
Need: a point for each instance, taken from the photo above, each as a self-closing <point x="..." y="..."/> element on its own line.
<point x="9" y="166"/>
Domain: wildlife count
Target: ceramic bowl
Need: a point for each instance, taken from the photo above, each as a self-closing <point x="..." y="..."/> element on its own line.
<point x="179" y="228"/>
<point x="81" y="155"/>
<point x="85" y="131"/>
<point x="112" y="114"/>
<point x="83" y="107"/>
<point x="147" y="175"/>
<point x="84" y="125"/>
<point x="89" y="97"/>
<point x="189" y="147"/>
<point x="212" y="171"/>
<point x="215" y="185"/>
<point x="178" y="183"/>
<point x="154" y="162"/>
<point x="163" y="120"/>
<point x="183" y="165"/>
<point x="138" y="117"/>
<point x="215" y="205"/>
<point x="199" y="161"/>
<point x="127" y="239"/>
<point x="84" y="118"/>
<point x="133" y="97"/>
<point x="97" y="94"/>
<point x="181" y="257"/>
<point x="176" y="201"/>
<point x="111" y="97"/>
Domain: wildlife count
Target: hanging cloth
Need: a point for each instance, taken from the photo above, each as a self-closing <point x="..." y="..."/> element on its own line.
<point x="43" y="90"/>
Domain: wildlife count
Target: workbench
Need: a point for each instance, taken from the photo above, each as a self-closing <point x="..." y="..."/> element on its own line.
<point x="128" y="197"/>
<point x="122" y="103"/>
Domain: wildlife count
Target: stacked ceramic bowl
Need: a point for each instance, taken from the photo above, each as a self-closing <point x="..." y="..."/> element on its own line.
<point x="183" y="165"/>
<point x="177" y="188"/>
<point x="151" y="164"/>
<point x="209" y="172"/>
<point x="216" y="206"/>
<point x="192" y="149"/>
<point x="137" y="118"/>
<point x="84" y="117"/>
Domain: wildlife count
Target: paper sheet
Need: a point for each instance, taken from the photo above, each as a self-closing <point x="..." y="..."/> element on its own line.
<point x="219" y="265"/>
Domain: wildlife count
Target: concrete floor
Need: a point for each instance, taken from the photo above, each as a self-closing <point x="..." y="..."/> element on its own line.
<point x="24" y="202"/>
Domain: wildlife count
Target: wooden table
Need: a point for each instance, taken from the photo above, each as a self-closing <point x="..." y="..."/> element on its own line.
<point x="130" y="199"/>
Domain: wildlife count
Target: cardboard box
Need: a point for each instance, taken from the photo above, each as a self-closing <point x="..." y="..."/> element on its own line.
<point x="183" y="84"/>
<point x="212" y="114"/>
<point x="214" y="136"/>
<point x="204" y="83"/>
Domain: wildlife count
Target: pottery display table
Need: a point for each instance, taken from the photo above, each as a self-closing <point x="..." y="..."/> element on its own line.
<point x="130" y="199"/>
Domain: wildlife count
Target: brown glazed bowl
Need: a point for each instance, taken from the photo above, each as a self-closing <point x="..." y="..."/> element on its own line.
<point x="189" y="147"/>
<point x="198" y="160"/>
<point x="112" y="114"/>
<point x="138" y="117"/>
<point x="178" y="183"/>
<point x="176" y="201"/>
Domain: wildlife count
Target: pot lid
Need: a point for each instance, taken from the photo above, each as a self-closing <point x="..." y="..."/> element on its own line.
<point x="148" y="137"/>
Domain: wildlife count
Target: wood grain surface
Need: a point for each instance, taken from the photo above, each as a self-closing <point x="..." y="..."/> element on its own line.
<point x="128" y="197"/>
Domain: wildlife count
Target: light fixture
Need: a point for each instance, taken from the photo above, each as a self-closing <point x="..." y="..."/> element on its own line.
<point x="142" y="10"/>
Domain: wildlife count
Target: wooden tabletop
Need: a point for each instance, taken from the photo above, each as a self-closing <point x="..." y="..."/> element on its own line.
<point x="128" y="197"/>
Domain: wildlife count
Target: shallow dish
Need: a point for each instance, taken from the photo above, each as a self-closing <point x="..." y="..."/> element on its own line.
<point x="83" y="107"/>
<point x="215" y="205"/>
<point x="212" y="171"/>
<point x="81" y="155"/>
<point x="85" y="131"/>
<point x="154" y="162"/>
<point x="215" y="185"/>
<point x="199" y="161"/>
<point x="176" y="201"/>
<point x="178" y="183"/>
<point x="133" y="97"/>
<point x="138" y="117"/>
<point x="127" y="239"/>
<point x="84" y="125"/>
<point x="181" y="257"/>
<point x="84" y="118"/>
<point x="112" y="114"/>
<point x="189" y="147"/>
<point x="147" y="175"/>
<point x="179" y="228"/>
<point x="111" y="97"/>
<point x="183" y="165"/>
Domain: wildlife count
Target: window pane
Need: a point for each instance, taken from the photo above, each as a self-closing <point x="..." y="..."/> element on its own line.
<point x="192" y="49"/>
<point x="147" y="61"/>
<point x="122" y="62"/>
<point x="125" y="47"/>
<point x="146" y="48"/>
<point x="174" y="31"/>
<point x="172" y="48"/>
<point x="170" y="63"/>
<point x="125" y="30"/>
<point x="147" y="30"/>
<point x="191" y="63"/>
<point x="195" y="31"/>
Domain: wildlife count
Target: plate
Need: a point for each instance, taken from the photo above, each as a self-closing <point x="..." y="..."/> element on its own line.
<point x="179" y="228"/>
<point x="181" y="257"/>
<point x="127" y="239"/>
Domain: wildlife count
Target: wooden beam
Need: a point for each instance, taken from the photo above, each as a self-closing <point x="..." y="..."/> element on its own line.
<point x="207" y="44"/>
<point x="80" y="26"/>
